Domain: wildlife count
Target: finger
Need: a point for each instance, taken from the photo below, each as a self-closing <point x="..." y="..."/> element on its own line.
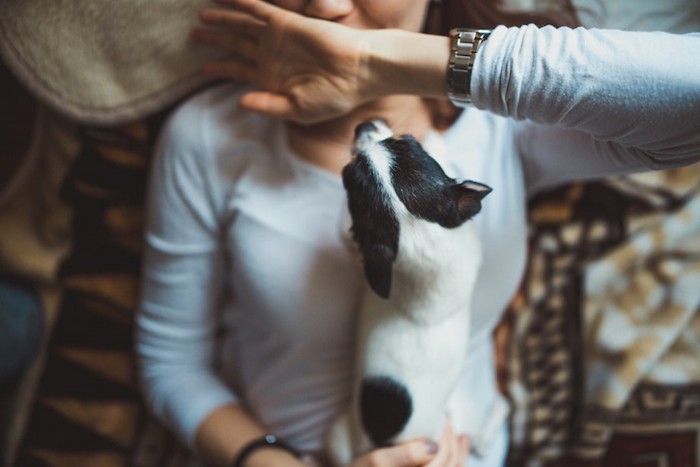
<point x="231" y="68"/>
<point x="238" y="44"/>
<point x="233" y="20"/>
<point x="453" y="458"/>
<point x="453" y="451"/>
<point x="443" y="457"/>
<point x="259" y="9"/>
<point x="463" y="449"/>
<point x="272" y="105"/>
<point x="408" y="454"/>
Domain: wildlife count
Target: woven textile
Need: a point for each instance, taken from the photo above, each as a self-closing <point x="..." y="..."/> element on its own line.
<point x="604" y="363"/>
<point x="88" y="409"/>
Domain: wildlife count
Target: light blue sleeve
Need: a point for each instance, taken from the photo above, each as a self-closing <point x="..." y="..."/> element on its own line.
<point x="596" y="102"/>
<point x="182" y="281"/>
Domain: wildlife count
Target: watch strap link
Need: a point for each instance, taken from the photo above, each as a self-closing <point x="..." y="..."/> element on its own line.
<point x="465" y="44"/>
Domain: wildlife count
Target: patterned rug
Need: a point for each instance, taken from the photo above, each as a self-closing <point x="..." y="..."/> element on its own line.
<point x="88" y="409"/>
<point x="603" y="367"/>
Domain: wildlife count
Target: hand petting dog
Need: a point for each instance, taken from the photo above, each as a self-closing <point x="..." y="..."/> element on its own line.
<point x="309" y="70"/>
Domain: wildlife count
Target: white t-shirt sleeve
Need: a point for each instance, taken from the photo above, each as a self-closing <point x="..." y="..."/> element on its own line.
<point x="181" y="283"/>
<point x="597" y="102"/>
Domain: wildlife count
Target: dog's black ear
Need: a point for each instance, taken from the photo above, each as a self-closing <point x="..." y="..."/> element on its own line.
<point x="375" y="227"/>
<point x="378" y="260"/>
<point x="468" y="196"/>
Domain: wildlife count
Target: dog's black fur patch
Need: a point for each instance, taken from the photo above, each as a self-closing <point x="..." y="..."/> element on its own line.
<point x="385" y="408"/>
<point x="426" y="191"/>
<point x="375" y="227"/>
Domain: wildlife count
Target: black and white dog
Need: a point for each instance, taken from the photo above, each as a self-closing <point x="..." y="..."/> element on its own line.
<point x="421" y="257"/>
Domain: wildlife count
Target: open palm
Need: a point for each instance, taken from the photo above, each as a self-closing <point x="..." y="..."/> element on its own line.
<point x="306" y="69"/>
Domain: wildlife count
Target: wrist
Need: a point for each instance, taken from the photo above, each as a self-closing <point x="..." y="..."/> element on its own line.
<point x="265" y="457"/>
<point x="402" y="62"/>
<point x="264" y="450"/>
<point x="465" y="44"/>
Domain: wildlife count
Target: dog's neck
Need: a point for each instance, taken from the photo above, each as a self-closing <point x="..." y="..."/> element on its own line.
<point x="431" y="263"/>
<point x="327" y="144"/>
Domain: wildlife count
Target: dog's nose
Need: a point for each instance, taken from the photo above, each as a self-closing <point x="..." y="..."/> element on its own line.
<point x="365" y="127"/>
<point x="376" y="129"/>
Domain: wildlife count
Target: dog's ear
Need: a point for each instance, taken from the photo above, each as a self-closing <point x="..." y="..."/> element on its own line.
<point x="375" y="227"/>
<point x="378" y="260"/>
<point x="468" y="196"/>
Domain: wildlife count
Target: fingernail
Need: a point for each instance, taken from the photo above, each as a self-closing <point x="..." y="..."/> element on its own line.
<point x="432" y="447"/>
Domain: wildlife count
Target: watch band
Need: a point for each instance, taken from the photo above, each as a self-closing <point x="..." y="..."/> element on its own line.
<point x="267" y="441"/>
<point x="465" y="44"/>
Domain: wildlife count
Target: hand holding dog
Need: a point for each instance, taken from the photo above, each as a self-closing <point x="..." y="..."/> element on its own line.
<point x="310" y="70"/>
<point x="452" y="450"/>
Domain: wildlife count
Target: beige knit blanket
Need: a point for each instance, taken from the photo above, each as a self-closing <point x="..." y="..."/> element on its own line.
<point x="100" y="61"/>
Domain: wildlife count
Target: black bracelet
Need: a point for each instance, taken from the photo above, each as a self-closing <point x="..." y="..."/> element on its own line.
<point x="267" y="441"/>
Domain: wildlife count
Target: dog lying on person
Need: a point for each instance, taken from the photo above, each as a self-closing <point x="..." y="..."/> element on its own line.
<point x="421" y="257"/>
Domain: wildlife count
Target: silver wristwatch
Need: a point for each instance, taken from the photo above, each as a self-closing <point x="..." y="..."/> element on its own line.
<point x="465" y="44"/>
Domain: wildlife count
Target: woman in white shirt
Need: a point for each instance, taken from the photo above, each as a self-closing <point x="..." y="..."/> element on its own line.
<point x="247" y="211"/>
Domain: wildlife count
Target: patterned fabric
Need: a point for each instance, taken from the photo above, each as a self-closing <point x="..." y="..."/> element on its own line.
<point x="603" y="369"/>
<point x="88" y="409"/>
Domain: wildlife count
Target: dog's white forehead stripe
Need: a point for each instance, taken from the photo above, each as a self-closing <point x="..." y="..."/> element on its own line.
<point x="382" y="160"/>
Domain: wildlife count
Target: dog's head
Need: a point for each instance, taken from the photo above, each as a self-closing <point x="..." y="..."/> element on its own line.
<point x="391" y="177"/>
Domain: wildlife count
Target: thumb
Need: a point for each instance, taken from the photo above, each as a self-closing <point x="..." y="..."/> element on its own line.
<point x="408" y="454"/>
<point x="266" y="103"/>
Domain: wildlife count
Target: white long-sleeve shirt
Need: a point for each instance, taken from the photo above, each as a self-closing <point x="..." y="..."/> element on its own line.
<point x="243" y="232"/>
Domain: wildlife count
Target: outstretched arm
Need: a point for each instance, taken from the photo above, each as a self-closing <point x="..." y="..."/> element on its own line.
<point x="624" y="100"/>
<point x="604" y="102"/>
